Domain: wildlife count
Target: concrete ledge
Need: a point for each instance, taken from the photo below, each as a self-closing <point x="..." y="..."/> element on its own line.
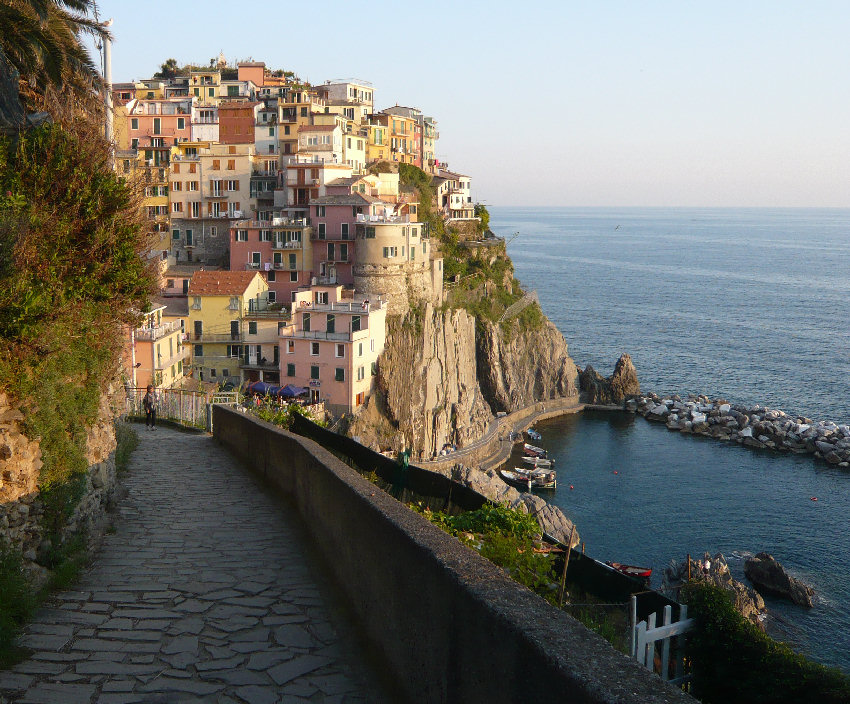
<point x="451" y="626"/>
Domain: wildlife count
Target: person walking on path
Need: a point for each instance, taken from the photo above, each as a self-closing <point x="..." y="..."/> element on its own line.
<point x="149" y="404"/>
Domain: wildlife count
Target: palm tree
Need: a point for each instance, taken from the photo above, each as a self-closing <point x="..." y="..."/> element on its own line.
<point x="41" y="41"/>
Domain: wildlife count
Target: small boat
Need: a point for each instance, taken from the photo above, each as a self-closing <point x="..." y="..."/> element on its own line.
<point x="534" y="450"/>
<point x="631" y="570"/>
<point x="537" y="461"/>
<point x="529" y="479"/>
<point x="534" y="435"/>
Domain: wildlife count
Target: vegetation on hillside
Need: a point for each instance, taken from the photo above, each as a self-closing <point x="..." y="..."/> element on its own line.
<point x="734" y="661"/>
<point x="479" y="279"/>
<point x="71" y="272"/>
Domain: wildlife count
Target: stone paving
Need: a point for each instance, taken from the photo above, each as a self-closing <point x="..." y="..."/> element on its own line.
<point x="205" y="591"/>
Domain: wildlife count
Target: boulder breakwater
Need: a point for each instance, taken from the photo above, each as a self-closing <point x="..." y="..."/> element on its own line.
<point x="754" y="426"/>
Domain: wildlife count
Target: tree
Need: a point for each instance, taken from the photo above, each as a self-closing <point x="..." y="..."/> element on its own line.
<point x="168" y="69"/>
<point x="41" y="41"/>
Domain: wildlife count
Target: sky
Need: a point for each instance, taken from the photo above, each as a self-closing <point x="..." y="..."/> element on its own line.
<point x="569" y="103"/>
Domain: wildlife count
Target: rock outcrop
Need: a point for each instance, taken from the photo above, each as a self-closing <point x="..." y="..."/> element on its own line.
<point x="441" y="381"/>
<point x="769" y="576"/>
<point x="620" y="386"/>
<point x="746" y="601"/>
<point x="518" y="367"/>
<point x="752" y="426"/>
<point x="551" y="519"/>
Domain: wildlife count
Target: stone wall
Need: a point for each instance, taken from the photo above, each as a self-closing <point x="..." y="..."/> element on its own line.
<point x="399" y="283"/>
<point x="449" y="625"/>
<point x="21" y="509"/>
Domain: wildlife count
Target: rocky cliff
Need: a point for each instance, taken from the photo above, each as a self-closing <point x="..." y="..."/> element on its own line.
<point x="518" y="367"/>
<point x="621" y="385"/>
<point x="441" y="380"/>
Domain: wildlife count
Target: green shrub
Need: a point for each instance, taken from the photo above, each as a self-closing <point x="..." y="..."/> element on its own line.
<point x="733" y="661"/>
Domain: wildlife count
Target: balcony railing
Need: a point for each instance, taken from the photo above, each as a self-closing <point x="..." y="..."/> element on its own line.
<point x="155" y="333"/>
<point x="291" y="332"/>
<point x="379" y="219"/>
<point x="343" y="307"/>
<point x="206" y="337"/>
<point x="165" y="363"/>
<point x="268" y="365"/>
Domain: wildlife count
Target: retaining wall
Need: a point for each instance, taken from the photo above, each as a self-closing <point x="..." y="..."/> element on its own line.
<point x="450" y="625"/>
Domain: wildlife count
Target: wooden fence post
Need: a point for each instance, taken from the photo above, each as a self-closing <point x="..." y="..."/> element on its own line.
<point x="566" y="564"/>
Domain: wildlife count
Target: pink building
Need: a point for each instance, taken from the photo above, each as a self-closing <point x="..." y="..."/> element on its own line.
<point x="332" y="346"/>
<point x="159" y="122"/>
<point x="280" y="249"/>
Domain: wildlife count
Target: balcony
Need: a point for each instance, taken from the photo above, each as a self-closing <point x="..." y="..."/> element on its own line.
<point x="151" y="334"/>
<point x="262" y="364"/>
<point x="210" y="338"/>
<point x="170" y="361"/>
<point x="293" y="244"/>
<point x="359" y="307"/>
<point x="382" y="219"/>
<point x="291" y="333"/>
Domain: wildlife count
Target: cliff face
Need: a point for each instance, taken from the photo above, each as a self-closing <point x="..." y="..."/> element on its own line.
<point x="441" y="381"/>
<point x="518" y="367"/>
<point x="428" y="383"/>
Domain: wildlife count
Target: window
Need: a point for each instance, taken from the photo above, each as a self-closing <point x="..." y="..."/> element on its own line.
<point x="372" y="344"/>
<point x="177" y="207"/>
<point x="241" y="235"/>
<point x="361" y="373"/>
<point x="231" y="164"/>
<point x="390" y="252"/>
<point x="255" y="259"/>
<point x="134" y="143"/>
<point x="196" y="304"/>
<point x="344" y="230"/>
<point x="175" y="234"/>
<point x="231" y="185"/>
<point x="314" y="349"/>
<point x="340" y="350"/>
<point x="343" y="253"/>
<point x="290" y="370"/>
<point x="331" y="326"/>
<point x="314" y="371"/>
<point x="293" y="277"/>
<point x="265" y="235"/>
<point x="305" y="322"/>
<point x="271" y="131"/>
<point x="290" y="347"/>
<point x="189" y="238"/>
<point x="216" y="164"/>
<point x="234" y="350"/>
<point x="321" y="230"/>
<point x="413" y="252"/>
<point x="211" y="93"/>
<point x="213" y="230"/>
<point x="359" y="349"/>
<point x="292" y="261"/>
<point x="370" y="232"/>
<point x="252" y="327"/>
<point x="134" y="123"/>
<point x="181" y="123"/>
<point x="176" y="185"/>
<point x="199" y="350"/>
<point x="321" y="298"/>
<point x="271" y="275"/>
<point x="331" y="252"/>
<point x="320" y="211"/>
<point x="286" y="129"/>
<point x="355" y="323"/>
<point x="339" y="374"/>
<point x="374" y="368"/>
<point x="192" y="185"/>
<point x="234" y="303"/>
<point x="195" y="211"/>
<point x="304" y="114"/>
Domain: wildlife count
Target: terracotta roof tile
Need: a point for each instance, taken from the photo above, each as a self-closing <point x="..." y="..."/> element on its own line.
<point x="220" y="283"/>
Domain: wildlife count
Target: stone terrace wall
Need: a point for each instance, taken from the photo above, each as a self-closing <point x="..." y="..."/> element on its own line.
<point x="450" y="625"/>
<point x="21" y="509"/>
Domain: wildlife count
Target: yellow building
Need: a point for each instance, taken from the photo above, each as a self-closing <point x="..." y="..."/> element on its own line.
<point x="205" y="86"/>
<point x="159" y="353"/>
<point x="229" y="340"/>
<point x="147" y="166"/>
<point x="377" y="143"/>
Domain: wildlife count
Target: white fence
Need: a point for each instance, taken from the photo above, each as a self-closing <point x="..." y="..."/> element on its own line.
<point x="191" y="408"/>
<point x="645" y="636"/>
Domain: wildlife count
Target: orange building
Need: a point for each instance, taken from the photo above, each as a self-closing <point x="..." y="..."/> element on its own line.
<point x="236" y="121"/>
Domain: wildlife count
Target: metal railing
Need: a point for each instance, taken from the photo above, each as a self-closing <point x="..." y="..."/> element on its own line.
<point x="155" y="333"/>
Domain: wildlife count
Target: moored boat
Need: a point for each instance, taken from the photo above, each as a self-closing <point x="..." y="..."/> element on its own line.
<point x="534" y="450"/>
<point x="529" y="478"/>
<point x="537" y="461"/>
<point x="534" y="435"/>
<point x="631" y="570"/>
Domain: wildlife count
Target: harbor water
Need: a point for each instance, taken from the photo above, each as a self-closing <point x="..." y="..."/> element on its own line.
<point x="748" y="305"/>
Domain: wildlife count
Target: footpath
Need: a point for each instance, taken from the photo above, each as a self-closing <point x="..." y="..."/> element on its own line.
<point x="205" y="591"/>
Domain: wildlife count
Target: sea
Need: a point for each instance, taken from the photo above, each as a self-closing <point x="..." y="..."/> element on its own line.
<point x="748" y="305"/>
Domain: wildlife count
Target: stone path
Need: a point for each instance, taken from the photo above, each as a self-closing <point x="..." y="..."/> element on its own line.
<point x="204" y="592"/>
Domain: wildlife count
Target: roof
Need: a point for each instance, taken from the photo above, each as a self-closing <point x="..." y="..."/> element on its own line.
<point x="344" y="181"/>
<point x="345" y="199"/>
<point x="174" y="305"/>
<point x="220" y="283"/>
